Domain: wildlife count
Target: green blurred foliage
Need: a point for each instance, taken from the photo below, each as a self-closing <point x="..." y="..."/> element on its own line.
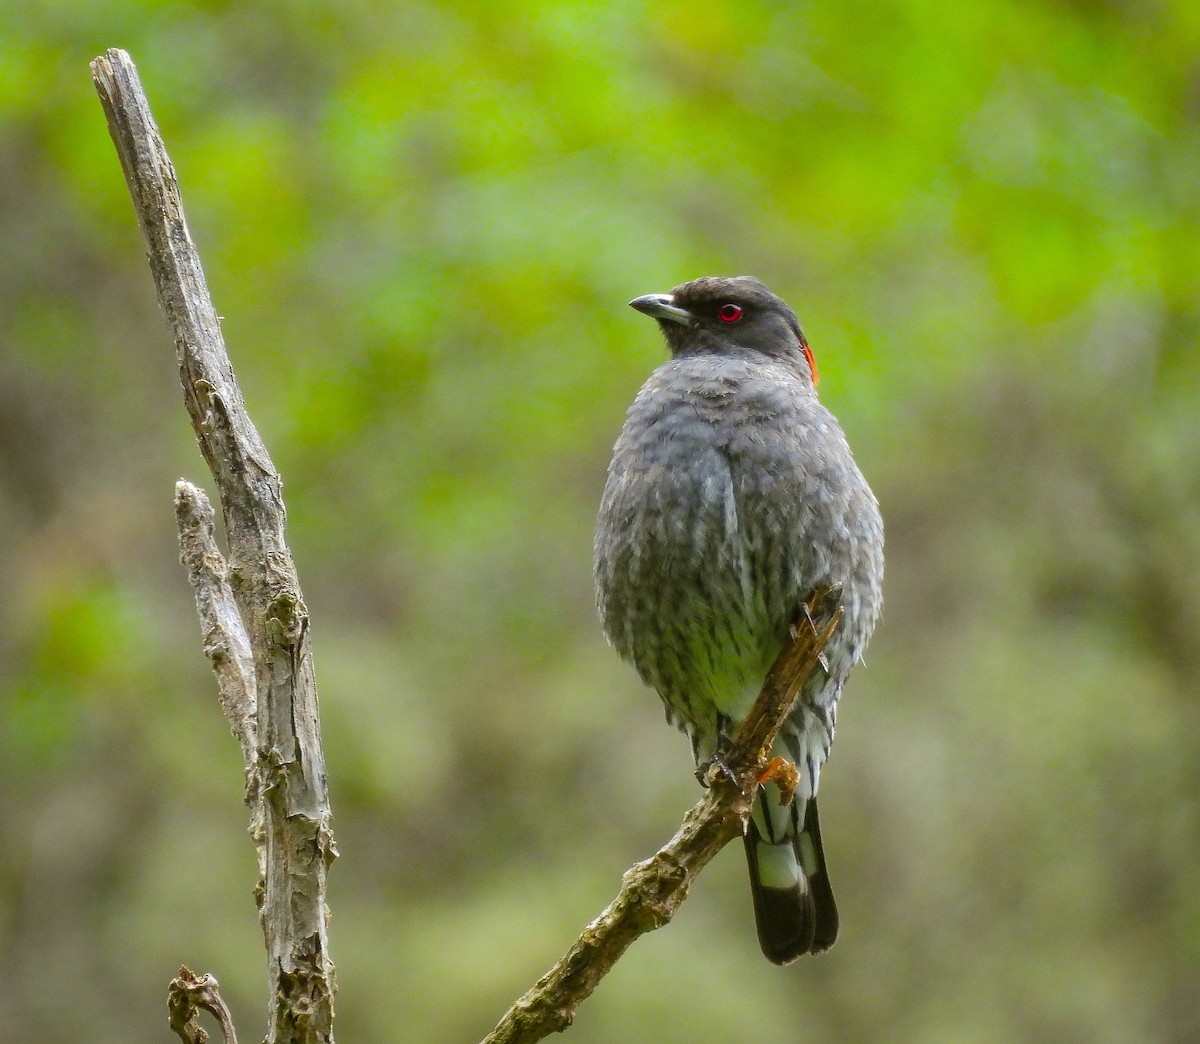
<point x="421" y="223"/>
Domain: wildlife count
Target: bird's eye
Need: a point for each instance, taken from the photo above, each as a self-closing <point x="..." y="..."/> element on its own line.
<point x="729" y="313"/>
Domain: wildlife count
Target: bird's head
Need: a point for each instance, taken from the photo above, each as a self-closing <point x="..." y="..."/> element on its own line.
<point x="720" y="314"/>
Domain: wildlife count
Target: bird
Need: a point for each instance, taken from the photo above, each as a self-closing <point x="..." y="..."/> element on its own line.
<point x="731" y="498"/>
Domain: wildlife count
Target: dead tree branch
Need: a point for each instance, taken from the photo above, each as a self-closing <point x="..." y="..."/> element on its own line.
<point x="187" y="996"/>
<point x="651" y="891"/>
<point x="273" y="709"/>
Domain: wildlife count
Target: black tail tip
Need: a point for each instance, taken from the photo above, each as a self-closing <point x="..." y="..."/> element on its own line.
<point x="789" y="930"/>
<point x="786" y="923"/>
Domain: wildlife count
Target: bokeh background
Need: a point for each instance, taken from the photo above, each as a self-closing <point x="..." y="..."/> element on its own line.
<point x="422" y="223"/>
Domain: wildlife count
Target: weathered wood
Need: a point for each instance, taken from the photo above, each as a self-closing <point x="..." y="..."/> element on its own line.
<point x="276" y="719"/>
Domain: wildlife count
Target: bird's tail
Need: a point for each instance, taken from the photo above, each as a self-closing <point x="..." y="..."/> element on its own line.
<point x="793" y="901"/>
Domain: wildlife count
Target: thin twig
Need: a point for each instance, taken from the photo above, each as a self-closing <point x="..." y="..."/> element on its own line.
<point x="288" y="764"/>
<point x="187" y="996"/>
<point x="651" y="891"/>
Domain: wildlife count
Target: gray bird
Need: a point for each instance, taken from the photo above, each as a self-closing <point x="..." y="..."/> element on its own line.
<point x="731" y="497"/>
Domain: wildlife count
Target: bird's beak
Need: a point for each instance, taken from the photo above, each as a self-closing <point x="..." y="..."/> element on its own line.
<point x="659" y="306"/>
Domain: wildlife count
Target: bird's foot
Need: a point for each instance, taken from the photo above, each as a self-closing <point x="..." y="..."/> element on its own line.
<point x="714" y="765"/>
<point x="822" y="602"/>
<point x="783" y="774"/>
<point x="711" y="769"/>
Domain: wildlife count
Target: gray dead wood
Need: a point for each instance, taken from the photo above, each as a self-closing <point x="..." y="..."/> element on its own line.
<point x="252" y="612"/>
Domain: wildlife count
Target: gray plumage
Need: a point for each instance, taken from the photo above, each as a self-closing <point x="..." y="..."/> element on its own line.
<point x="732" y="495"/>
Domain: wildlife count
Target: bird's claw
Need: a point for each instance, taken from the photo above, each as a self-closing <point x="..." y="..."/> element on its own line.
<point x="821" y="603"/>
<point x="783" y="774"/>
<point x="715" y="765"/>
<point x="709" y="771"/>
<point x="825" y="600"/>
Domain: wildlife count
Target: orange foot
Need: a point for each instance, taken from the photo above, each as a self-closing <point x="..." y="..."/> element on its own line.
<point x="783" y="773"/>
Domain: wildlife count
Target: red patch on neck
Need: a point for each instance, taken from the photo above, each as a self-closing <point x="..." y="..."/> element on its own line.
<point x="812" y="362"/>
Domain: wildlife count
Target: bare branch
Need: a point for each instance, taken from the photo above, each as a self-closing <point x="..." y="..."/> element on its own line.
<point x="288" y="764"/>
<point x="226" y="643"/>
<point x="187" y="996"/>
<point x="651" y="891"/>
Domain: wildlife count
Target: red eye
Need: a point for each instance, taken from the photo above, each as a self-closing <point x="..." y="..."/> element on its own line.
<point x="729" y="313"/>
